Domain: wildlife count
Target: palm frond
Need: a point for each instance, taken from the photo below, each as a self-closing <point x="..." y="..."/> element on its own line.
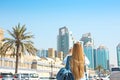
<point x="30" y="48"/>
<point x="20" y="43"/>
<point x="22" y="30"/>
<point x="12" y="34"/>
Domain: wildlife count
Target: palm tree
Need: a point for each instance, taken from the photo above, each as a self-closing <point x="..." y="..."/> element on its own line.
<point x="99" y="68"/>
<point x="19" y="43"/>
<point x="106" y="72"/>
<point x="1" y="53"/>
<point x="1" y="50"/>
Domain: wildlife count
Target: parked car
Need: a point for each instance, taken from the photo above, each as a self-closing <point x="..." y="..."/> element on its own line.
<point x="105" y="78"/>
<point x="21" y="76"/>
<point x="6" y="76"/>
<point x="26" y="76"/>
<point x="91" y="78"/>
<point x="47" y="78"/>
<point x="34" y="76"/>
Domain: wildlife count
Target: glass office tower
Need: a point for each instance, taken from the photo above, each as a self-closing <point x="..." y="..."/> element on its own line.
<point x="95" y="53"/>
<point x="102" y="57"/>
<point x="65" y="40"/>
<point x="42" y="53"/>
<point x="118" y="54"/>
<point x="88" y="45"/>
<point x="86" y="38"/>
<point x="89" y="52"/>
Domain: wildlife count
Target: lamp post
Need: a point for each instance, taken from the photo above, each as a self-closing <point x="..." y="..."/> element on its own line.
<point x="51" y="69"/>
<point x="51" y="65"/>
<point x="85" y="71"/>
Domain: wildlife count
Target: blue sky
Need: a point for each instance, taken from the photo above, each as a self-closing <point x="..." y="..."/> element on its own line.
<point x="44" y="17"/>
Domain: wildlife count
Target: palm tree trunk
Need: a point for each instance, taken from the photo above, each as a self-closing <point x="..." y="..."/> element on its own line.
<point x="1" y="60"/>
<point x="16" y="64"/>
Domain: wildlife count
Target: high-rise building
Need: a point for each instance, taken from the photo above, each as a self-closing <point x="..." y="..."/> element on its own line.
<point x="42" y="53"/>
<point x="51" y="53"/>
<point x="86" y="38"/>
<point x="95" y="52"/>
<point x="118" y="54"/>
<point x="88" y="48"/>
<point x="56" y="54"/>
<point x="65" y="40"/>
<point x="60" y="55"/>
<point x="89" y="52"/>
<point x="102" y="57"/>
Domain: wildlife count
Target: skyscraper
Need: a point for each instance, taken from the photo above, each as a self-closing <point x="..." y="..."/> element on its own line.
<point x="88" y="48"/>
<point x="102" y="57"/>
<point x="51" y="53"/>
<point x="95" y="52"/>
<point x="89" y="52"/>
<point x="65" y="40"/>
<point x="118" y="54"/>
<point x="60" y="55"/>
<point x="86" y="38"/>
<point x="42" y="53"/>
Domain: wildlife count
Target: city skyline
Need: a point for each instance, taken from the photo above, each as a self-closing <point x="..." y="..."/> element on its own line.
<point x="44" y="18"/>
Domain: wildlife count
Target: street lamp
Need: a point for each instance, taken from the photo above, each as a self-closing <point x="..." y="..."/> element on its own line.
<point x="85" y="71"/>
<point x="51" y="65"/>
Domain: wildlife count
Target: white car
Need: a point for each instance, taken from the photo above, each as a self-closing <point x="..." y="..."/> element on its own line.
<point x="6" y="76"/>
<point x="105" y="78"/>
<point x="26" y="76"/>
